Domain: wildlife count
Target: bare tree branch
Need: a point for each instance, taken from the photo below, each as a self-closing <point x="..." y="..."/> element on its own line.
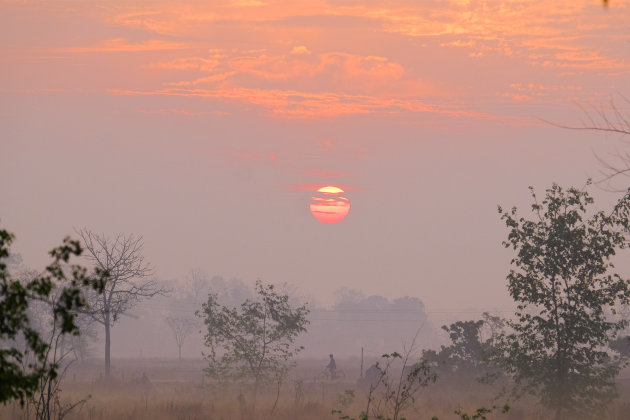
<point x="181" y="327"/>
<point x="122" y="258"/>
<point x="611" y="120"/>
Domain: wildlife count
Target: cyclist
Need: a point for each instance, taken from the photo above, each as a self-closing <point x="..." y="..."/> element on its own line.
<point x="332" y="366"/>
<point x="373" y="374"/>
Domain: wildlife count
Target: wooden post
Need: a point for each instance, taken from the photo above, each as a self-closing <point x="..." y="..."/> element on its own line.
<point x="361" y="362"/>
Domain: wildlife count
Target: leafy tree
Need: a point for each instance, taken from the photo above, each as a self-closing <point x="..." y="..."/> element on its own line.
<point x="469" y="357"/>
<point x="254" y="341"/>
<point x="564" y="284"/>
<point x="20" y="375"/>
<point x="463" y="356"/>
<point x="622" y="346"/>
<point x="372" y="322"/>
<point x="480" y="413"/>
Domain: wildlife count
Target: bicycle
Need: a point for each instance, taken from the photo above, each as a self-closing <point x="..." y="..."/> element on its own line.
<point x="328" y="375"/>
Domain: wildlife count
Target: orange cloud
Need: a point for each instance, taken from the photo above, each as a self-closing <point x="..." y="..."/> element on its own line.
<point x="197" y="63"/>
<point x="565" y="52"/>
<point x="300" y="49"/>
<point x="370" y="66"/>
<point x="418" y="57"/>
<point x="459" y="43"/>
<point x="518" y="97"/>
<point x="510" y="28"/>
<point x="291" y="103"/>
<point x="283" y="67"/>
<point x="512" y="25"/>
<point x="327" y="173"/>
<point x="122" y="45"/>
<point x="479" y="19"/>
<point x="588" y="60"/>
<point x="184" y="19"/>
<point x="248" y="3"/>
<point x="531" y="91"/>
<point x="170" y="111"/>
<point x="315" y="187"/>
<point x="206" y="79"/>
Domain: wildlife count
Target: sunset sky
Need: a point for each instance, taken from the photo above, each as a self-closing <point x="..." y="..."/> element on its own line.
<point x="207" y="126"/>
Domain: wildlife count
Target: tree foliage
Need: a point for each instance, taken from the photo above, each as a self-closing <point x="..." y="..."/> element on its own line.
<point x="564" y="283"/>
<point x="21" y="375"/>
<point x="254" y="341"/>
<point x="372" y="322"/>
<point x="469" y="357"/>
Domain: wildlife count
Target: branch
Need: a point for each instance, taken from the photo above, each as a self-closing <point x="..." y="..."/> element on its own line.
<point x="607" y="121"/>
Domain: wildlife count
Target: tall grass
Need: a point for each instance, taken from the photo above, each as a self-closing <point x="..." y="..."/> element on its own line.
<point x="160" y="391"/>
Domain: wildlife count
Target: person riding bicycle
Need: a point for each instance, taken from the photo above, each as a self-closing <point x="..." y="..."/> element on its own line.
<point x="373" y="374"/>
<point x="332" y="366"/>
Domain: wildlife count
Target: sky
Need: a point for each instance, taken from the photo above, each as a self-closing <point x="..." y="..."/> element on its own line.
<point x="206" y="128"/>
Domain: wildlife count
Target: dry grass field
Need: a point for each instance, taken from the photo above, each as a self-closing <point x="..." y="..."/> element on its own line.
<point x="168" y="389"/>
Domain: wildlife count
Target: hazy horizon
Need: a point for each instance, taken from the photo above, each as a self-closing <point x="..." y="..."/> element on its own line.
<point x="206" y="129"/>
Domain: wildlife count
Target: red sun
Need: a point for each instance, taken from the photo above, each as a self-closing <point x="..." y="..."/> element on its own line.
<point x="329" y="206"/>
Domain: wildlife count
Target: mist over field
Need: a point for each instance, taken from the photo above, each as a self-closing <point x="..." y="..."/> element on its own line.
<point x="266" y="209"/>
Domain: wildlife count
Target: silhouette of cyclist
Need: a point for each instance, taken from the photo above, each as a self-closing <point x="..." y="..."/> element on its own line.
<point x="332" y="366"/>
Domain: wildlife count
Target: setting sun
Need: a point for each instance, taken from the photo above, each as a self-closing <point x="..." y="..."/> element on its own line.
<point x="328" y="206"/>
<point x="197" y="136"/>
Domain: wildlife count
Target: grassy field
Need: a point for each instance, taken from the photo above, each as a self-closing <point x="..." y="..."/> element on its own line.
<point x="167" y="389"/>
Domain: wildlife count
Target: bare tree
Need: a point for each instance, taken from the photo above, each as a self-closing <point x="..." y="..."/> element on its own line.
<point x="181" y="327"/>
<point x="613" y="120"/>
<point x="122" y="258"/>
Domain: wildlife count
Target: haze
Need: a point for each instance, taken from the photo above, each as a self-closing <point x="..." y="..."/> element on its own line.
<point x="205" y="127"/>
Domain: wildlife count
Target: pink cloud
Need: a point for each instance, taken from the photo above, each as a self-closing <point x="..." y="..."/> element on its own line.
<point x="300" y="49"/>
<point x="206" y="79"/>
<point x="286" y="67"/>
<point x="531" y="91"/>
<point x="315" y="186"/>
<point x="122" y="45"/>
<point x="327" y="173"/>
<point x="298" y="104"/>
<point x="167" y="111"/>
<point x="186" y="63"/>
